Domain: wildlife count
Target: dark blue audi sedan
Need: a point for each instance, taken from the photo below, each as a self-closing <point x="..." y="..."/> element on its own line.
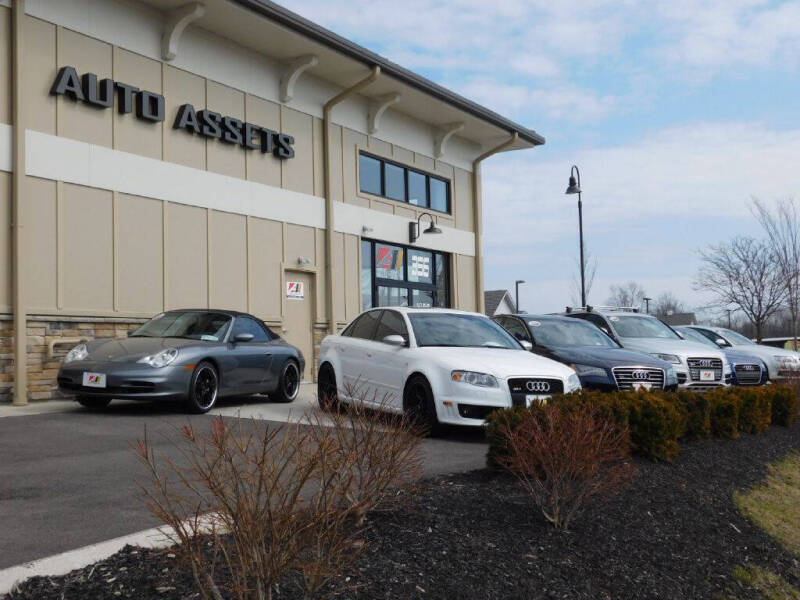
<point x="599" y="361"/>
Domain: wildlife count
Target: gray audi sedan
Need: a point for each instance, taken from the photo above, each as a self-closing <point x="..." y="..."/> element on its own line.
<point x="195" y="356"/>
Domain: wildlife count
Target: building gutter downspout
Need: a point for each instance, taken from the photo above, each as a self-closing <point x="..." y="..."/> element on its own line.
<point x="477" y="211"/>
<point x="329" y="224"/>
<point x="17" y="220"/>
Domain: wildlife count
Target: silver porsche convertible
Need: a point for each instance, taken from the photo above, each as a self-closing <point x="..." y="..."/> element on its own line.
<point x="195" y="356"/>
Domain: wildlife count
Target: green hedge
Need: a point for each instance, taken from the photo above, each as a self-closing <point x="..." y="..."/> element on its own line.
<point x="659" y="420"/>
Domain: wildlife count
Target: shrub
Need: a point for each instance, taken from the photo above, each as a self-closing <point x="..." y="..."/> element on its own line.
<point x="755" y="410"/>
<point x="696" y="410"/>
<point x="249" y="503"/>
<point x="724" y="412"/>
<point x="563" y="455"/>
<point x="655" y="425"/>
<point x="497" y="425"/>
<point x="785" y="405"/>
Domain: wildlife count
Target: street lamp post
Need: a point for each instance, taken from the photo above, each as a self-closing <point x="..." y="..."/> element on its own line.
<point x="729" y="311"/>
<point x="516" y="297"/>
<point x="575" y="188"/>
<point x="647" y="304"/>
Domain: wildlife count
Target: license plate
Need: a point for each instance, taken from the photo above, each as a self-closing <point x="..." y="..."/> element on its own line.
<point x="639" y="385"/>
<point x="706" y="375"/>
<point x="535" y="398"/>
<point x="96" y="380"/>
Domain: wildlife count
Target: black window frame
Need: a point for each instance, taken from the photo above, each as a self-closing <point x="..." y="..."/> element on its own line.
<point x="406" y="170"/>
<point x="260" y="324"/>
<point x="404" y="283"/>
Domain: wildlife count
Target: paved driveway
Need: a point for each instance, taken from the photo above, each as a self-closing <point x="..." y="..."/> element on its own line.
<point x="68" y="476"/>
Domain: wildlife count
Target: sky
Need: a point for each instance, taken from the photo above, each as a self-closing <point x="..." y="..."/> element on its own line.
<point x="677" y="113"/>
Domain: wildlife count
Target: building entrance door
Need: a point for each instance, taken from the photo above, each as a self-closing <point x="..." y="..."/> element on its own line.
<point x="298" y="316"/>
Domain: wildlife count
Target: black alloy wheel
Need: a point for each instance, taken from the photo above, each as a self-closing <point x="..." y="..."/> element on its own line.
<point x="288" y="383"/>
<point x="419" y="405"/>
<point x="203" y="388"/>
<point x="327" y="392"/>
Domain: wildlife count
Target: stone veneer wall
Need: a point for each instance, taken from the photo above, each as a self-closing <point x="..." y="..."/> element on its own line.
<point x="49" y="340"/>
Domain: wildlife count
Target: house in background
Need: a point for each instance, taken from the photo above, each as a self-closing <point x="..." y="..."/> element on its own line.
<point x="499" y="302"/>
<point x="676" y="319"/>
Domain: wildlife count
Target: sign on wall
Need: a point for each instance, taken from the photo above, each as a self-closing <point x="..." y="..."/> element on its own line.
<point x="150" y="106"/>
<point x="295" y="290"/>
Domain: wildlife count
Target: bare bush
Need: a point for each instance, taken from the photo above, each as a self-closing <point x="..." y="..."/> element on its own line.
<point x="249" y="504"/>
<point x="565" y="455"/>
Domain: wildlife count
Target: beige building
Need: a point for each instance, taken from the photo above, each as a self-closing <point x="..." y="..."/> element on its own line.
<point x="227" y="153"/>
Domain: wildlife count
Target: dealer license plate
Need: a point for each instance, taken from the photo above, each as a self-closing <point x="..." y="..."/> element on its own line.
<point x="535" y="399"/>
<point x="640" y="385"/>
<point x="96" y="380"/>
<point x="706" y="375"/>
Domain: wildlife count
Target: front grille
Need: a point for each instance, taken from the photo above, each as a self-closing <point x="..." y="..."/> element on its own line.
<point x="681" y="378"/>
<point x="704" y="364"/>
<point x="748" y="374"/>
<point x="525" y="386"/>
<point x="629" y="377"/>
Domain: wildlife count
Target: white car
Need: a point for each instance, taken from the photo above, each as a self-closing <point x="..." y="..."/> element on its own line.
<point x="780" y="363"/>
<point x="437" y="365"/>
<point x="697" y="366"/>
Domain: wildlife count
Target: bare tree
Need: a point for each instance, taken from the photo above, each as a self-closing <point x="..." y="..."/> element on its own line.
<point x="782" y="225"/>
<point x="743" y="272"/>
<point x="629" y="294"/>
<point x="590" y="263"/>
<point x="668" y="304"/>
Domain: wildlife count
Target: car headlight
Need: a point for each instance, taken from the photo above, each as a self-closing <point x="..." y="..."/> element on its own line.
<point x="79" y="352"/>
<point x="670" y="358"/>
<point x="473" y="378"/>
<point x="573" y="383"/>
<point x="672" y="376"/>
<point x="787" y="361"/>
<point x="589" y="371"/>
<point x="160" y="359"/>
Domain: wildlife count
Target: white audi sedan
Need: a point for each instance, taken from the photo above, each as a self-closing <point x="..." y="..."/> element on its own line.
<point x="436" y="365"/>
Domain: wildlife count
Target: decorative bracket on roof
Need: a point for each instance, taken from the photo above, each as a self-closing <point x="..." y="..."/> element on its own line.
<point x="292" y="73"/>
<point x="376" y="109"/>
<point x="443" y="136"/>
<point x="177" y="21"/>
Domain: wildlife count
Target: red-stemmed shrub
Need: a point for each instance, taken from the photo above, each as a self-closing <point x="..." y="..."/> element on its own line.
<point x="563" y="455"/>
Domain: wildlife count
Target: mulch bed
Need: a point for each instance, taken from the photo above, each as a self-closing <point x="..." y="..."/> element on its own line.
<point x="674" y="534"/>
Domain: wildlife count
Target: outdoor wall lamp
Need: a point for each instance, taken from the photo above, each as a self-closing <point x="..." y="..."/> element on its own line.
<point x="413" y="228"/>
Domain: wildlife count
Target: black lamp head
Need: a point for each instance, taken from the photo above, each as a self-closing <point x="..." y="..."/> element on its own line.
<point x="432" y="228"/>
<point x="573" y="188"/>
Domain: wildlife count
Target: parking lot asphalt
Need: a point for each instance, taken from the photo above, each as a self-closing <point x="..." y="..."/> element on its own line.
<point x="68" y="478"/>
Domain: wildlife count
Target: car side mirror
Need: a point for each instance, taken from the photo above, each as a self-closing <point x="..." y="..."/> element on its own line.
<point x="242" y="337"/>
<point x="527" y="345"/>
<point x="721" y="342"/>
<point x="394" y="340"/>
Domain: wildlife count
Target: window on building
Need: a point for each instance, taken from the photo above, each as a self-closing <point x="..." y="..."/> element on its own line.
<point x="381" y="177"/>
<point x="394" y="275"/>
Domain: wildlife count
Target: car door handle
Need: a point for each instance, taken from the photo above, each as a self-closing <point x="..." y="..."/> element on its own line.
<point x="369" y="354"/>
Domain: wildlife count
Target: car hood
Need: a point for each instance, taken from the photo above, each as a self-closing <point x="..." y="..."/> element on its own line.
<point x="736" y="357"/>
<point x="499" y="362"/>
<point x="664" y="346"/>
<point x="608" y="357"/>
<point x="768" y="353"/>
<point x="133" y="348"/>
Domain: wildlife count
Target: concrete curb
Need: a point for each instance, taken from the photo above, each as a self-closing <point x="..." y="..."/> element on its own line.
<point x="61" y="564"/>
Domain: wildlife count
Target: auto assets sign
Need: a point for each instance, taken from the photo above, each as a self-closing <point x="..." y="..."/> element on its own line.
<point x="150" y="107"/>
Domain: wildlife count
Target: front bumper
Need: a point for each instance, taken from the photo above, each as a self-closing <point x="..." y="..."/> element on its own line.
<point x="126" y="381"/>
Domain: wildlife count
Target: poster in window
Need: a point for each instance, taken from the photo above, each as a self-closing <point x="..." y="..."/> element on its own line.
<point x="389" y="261"/>
<point x="420" y="267"/>
<point x="295" y="290"/>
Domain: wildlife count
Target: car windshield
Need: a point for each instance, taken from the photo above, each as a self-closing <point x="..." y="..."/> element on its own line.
<point x="641" y="327"/>
<point x="547" y="332"/>
<point x="193" y="325"/>
<point x="450" y="329"/>
<point x="696" y="336"/>
<point x="737" y="339"/>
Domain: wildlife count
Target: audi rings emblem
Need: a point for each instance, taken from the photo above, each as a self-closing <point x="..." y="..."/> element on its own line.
<point x="537" y="386"/>
<point x="706" y="362"/>
<point x="641" y="375"/>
